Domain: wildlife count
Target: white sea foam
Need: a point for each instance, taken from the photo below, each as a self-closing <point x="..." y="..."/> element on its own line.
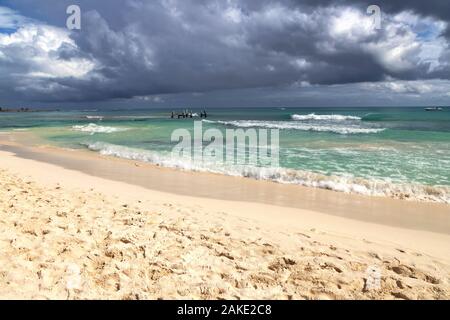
<point x="347" y="184"/>
<point x="329" y="117"/>
<point x="95" y="117"/>
<point x="293" y="125"/>
<point x="94" y="128"/>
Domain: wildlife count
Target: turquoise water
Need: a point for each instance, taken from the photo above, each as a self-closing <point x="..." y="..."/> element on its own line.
<point x="398" y="152"/>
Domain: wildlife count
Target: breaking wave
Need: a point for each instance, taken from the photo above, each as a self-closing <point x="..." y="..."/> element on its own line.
<point x="94" y="128"/>
<point x="295" y="125"/>
<point x="95" y="117"/>
<point x="329" y="117"/>
<point x="347" y="184"/>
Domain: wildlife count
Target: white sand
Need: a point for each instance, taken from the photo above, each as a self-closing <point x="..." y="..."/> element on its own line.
<point x="65" y="234"/>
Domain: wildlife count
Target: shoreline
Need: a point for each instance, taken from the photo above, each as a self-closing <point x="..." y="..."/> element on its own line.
<point x="415" y="192"/>
<point x="410" y="214"/>
<point x="371" y="187"/>
<point x="125" y="240"/>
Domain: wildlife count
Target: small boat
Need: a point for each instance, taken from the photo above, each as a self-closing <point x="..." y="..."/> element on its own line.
<point x="433" y="109"/>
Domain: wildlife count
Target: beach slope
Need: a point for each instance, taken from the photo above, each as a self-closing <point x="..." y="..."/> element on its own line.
<point x="68" y="235"/>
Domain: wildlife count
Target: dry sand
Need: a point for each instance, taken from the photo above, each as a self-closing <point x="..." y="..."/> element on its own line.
<point x="66" y="234"/>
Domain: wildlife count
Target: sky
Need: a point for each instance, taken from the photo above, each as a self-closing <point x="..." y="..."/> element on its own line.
<point x="225" y="53"/>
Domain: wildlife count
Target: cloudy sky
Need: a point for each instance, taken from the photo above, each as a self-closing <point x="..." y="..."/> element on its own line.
<point x="225" y="53"/>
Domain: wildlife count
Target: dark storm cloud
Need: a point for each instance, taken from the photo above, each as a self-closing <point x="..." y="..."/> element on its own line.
<point x="141" y="48"/>
<point x="437" y="8"/>
<point x="50" y="10"/>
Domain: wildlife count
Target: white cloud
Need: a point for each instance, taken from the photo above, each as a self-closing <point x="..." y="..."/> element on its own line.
<point x="404" y="41"/>
<point x="10" y="19"/>
<point x="410" y="40"/>
<point x="350" y="24"/>
<point x="301" y="63"/>
<point x="234" y="15"/>
<point x="417" y="87"/>
<point x="155" y="99"/>
<point x="34" y="47"/>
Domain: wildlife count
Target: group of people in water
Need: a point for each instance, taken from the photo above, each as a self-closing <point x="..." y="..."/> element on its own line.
<point x="188" y="114"/>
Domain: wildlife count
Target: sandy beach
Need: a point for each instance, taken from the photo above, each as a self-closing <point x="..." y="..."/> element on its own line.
<point x="65" y="234"/>
<point x="224" y="150"/>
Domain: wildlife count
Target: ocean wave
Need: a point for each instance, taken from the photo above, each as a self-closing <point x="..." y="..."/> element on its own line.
<point x="93" y="128"/>
<point x="95" y="117"/>
<point x="329" y="117"/>
<point x="135" y="118"/>
<point x="346" y="184"/>
<point x="159" y="159"/>
<point x="291" y="125"/>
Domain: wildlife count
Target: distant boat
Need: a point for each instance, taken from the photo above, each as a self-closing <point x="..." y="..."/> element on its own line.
<point x="434" y="109"/>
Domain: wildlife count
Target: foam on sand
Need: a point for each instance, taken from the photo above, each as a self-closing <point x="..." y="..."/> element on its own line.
<point x="346" y="184"/>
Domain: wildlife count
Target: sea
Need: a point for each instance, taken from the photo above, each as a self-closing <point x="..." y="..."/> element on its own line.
<point x="399" y="152"/>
